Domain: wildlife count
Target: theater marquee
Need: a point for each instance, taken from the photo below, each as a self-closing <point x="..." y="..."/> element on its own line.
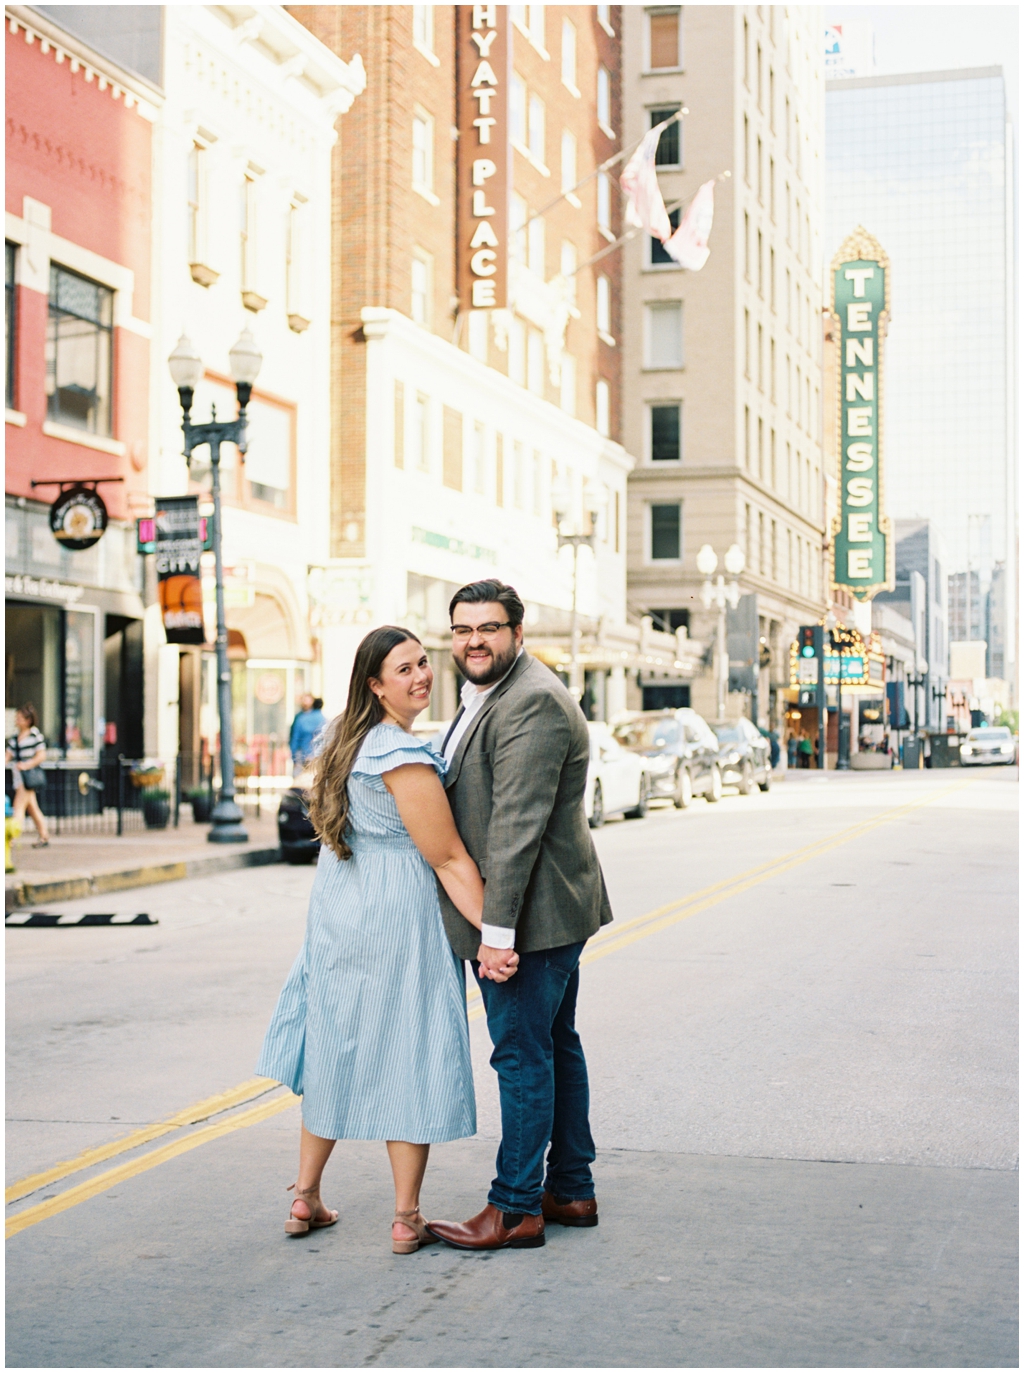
<point x="862" y="542"/>
<point x="483" y="58"/>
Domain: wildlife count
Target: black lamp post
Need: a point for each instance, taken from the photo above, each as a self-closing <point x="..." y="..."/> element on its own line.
<point x="917" y="682"/>
<point x="186" y="369"/>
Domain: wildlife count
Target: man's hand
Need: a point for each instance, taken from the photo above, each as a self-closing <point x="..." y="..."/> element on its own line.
<point x="497" y="964"/>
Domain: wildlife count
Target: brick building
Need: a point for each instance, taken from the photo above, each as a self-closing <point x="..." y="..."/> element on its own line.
<point x="459" y="428"/>
<point x="78" y="318"/>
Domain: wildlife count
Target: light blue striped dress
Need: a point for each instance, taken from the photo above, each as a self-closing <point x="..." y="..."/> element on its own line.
<point x="371" y="1028"/>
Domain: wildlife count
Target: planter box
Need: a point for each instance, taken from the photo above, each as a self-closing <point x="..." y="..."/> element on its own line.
<point x="870" y="762"/>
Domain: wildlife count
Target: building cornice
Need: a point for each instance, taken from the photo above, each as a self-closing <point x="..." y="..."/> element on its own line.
<point x="860" y="83"/>
<point x="136" y="92"/>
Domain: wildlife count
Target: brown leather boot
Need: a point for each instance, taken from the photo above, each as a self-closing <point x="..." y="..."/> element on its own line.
<point x="561" y="1212"/>
<point x="491" y="1229"/>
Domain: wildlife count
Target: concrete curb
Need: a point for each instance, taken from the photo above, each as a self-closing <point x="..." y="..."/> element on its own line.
<point x="22" y="894"/>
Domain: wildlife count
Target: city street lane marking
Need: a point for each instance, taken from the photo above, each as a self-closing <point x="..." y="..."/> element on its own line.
<point x="661" y="918"/>
<point x="202" y="1110"/>
<point x="74" y="1196"/>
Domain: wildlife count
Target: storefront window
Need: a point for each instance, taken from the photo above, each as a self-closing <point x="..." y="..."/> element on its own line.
<point x="79" y="683"/>
<point x="33" y="667"/>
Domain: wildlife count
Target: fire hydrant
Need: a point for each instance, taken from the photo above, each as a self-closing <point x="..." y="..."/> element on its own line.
<point x="11" y="831"/>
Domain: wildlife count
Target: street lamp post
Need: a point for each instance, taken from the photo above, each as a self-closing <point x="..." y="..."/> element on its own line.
<point x="719" y="594"/>
<point x="917" y="682"/>
<point x="186" y="370"/>
<point x="595" y="497"/>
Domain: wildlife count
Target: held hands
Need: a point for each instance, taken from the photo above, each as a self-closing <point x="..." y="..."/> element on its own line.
<point x="497" y="964"/>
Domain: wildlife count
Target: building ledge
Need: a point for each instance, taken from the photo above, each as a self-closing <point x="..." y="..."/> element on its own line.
<point x="67" y="433"/>
<point x="15" y="417"/>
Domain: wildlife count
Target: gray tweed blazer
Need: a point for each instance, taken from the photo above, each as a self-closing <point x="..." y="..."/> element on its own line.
<point x="516" y="787"/>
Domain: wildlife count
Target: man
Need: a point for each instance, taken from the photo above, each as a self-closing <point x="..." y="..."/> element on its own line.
<point x="518" y="753"/>
<point x="305" y="728"/>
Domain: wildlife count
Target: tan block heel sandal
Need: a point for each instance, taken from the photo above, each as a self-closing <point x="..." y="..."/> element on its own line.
<point x="295" y="1225"/>
<point x="415" y="1222"/>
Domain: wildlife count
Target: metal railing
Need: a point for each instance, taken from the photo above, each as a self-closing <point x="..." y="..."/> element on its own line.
<point x="96" y="798"/>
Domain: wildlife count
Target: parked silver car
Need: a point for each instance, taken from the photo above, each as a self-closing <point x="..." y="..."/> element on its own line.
<point x="744" y="755"/>
<point x="680" y="752"/>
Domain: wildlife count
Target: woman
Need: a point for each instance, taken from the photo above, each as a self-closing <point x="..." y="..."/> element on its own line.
<point x="27" y="751"/>
<point x="371" y="1025"/>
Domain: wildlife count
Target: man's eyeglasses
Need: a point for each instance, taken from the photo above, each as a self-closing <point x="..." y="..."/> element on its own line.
<point x="486" y="631"/>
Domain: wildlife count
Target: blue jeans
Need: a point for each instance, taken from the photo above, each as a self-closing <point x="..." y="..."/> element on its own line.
<point x="542" y="1079"/>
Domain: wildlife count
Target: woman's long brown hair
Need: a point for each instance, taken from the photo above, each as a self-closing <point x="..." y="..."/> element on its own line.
<point x="328" y="794"/>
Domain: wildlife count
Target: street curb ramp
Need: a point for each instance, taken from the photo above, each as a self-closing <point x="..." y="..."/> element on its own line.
<point x="21" y="894"/>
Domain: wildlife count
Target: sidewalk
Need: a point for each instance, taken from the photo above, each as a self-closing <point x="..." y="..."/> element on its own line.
<point x="77" y="865"/>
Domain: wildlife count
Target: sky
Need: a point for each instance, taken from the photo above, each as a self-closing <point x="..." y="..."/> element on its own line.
<point x="911" y="38"/>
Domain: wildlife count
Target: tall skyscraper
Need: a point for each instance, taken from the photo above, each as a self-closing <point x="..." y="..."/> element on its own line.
<point x="925" y="163"/>
<point x="722" y="368"/>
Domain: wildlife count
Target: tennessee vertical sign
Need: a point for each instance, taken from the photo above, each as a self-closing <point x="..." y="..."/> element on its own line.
<point x="862" y="544"/>
<point x="483" y="56"/>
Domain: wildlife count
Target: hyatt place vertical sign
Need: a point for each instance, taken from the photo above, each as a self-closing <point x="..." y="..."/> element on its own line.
<point x="862" y="541"/>
<point x="482" y="73"/>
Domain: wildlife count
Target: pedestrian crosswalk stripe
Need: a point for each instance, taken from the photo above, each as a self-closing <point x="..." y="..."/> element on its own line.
<point x="32" y="1215"/>
<point x="610" y="940"/>
<point x="202" y="1110"/>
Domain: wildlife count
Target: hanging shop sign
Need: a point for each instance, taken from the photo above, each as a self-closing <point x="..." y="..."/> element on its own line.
<point x="78" y="518"/>
<point x="483" y="54"/>
<point x="862" y="542"/>
<point x="179" y="546"/>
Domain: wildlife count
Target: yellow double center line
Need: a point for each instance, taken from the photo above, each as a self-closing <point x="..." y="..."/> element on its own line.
<point x="610" y="940"/>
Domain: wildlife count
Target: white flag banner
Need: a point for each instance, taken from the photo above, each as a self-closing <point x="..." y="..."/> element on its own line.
<point x="646" y="208"/>
<point x="689" y="244"/>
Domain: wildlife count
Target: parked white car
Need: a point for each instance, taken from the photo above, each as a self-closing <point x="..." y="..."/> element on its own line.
<point x="617" y="782"/>
<point x="987" y="745"/>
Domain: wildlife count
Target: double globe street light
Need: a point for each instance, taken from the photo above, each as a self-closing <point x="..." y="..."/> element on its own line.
<point x="595" y="498"/>
<point x="186" y="368"/>
<point x="720" y="594"/>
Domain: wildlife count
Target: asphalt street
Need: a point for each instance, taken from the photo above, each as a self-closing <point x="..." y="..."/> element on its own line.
<point x="801" y="1030"/>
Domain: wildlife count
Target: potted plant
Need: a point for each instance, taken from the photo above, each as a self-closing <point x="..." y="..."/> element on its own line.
<point x="156" y="807"/>
<point x="147" y="775"/>
<point x="202" y="802"/>
<point x="244" y="769"/>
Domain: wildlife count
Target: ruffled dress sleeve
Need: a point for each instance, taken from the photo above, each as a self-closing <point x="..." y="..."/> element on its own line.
<point x="387" y="747"/>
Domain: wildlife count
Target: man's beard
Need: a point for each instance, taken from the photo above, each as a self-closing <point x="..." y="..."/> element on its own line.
<point x="493" y="671"/>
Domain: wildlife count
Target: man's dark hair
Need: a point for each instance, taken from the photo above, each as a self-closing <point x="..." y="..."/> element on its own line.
<point x="318" y="703"/>
<point x="478" y="593"/>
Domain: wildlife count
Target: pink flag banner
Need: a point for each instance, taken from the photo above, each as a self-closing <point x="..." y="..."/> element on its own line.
<point x="689" y="244"/>
<point x="646" y="208"/>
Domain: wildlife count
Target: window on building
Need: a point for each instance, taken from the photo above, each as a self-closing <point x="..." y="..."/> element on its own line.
<point x="569" y="55"/>
<point x="760" y="81"/>
<point x="519" y="16"/>
<point x="604" y="99"/>
<point x="79" y="351"/>
<point x="746" y="436"/>
<point x="423" y="153"/>
<point x="297" y="261"/>
<point x="666" y="432"/>
<point x="746" y="344"/>
<point x="746" y="150"/>
<point x="196" y="180"/>
<point x="10" y="323"/>
<point x="604" y="18"/>
<point x="567" y="384"/>
<point x="604" y="204"/>
<point x="602" y="408"/>
<point x="669" y="152"/>
<point x="569" y="177"/>
<point x="760" y="264"/>
<point x="664" y="333"/>
<point x="399" y="424"/>
<point x="537" y="134"/>
<point x="451" y="455"/>
<point x="269" y="462"/>
<point x="518" y="476"/>
<point x="423" y="27"/>
<point x="535" y="362"/>
<point x="567" y="268"/>
<point x="518" y="214"/>
<point x="478" y="335"/>
<point x="535" y="246"/>
<point x="746" y="54"/>
<point x="659" y="255"/>
<point x="517" y="351"/>
<point x="479" y="459"/>
<point x="663" y="35"/>
<point x="666" y="533"/>
<point x="420" y="434"/>
<point x="420" y="275"/>
<point x="604" y="306"/>
<point x="517" y="110"/>
<point x="537" y="482"/>
<point x="535" y="24"/>
<point x="771" y="279"/>
<point x="248" y="208"/>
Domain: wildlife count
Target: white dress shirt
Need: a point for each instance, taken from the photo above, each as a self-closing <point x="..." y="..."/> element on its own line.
<point x="494" y="936"/>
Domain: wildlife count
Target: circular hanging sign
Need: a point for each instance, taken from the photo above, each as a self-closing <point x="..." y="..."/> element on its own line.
<point x="78" y="518"/>
<point x="269" y="689"/>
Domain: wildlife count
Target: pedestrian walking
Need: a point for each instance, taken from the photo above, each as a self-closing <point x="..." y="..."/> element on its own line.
<point x="806" y="749"/>
<point x="26" y="751"/>
<point x="306" y="728"/>
<point x="518" y="753"/>
<point x="370" y="1029"/>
